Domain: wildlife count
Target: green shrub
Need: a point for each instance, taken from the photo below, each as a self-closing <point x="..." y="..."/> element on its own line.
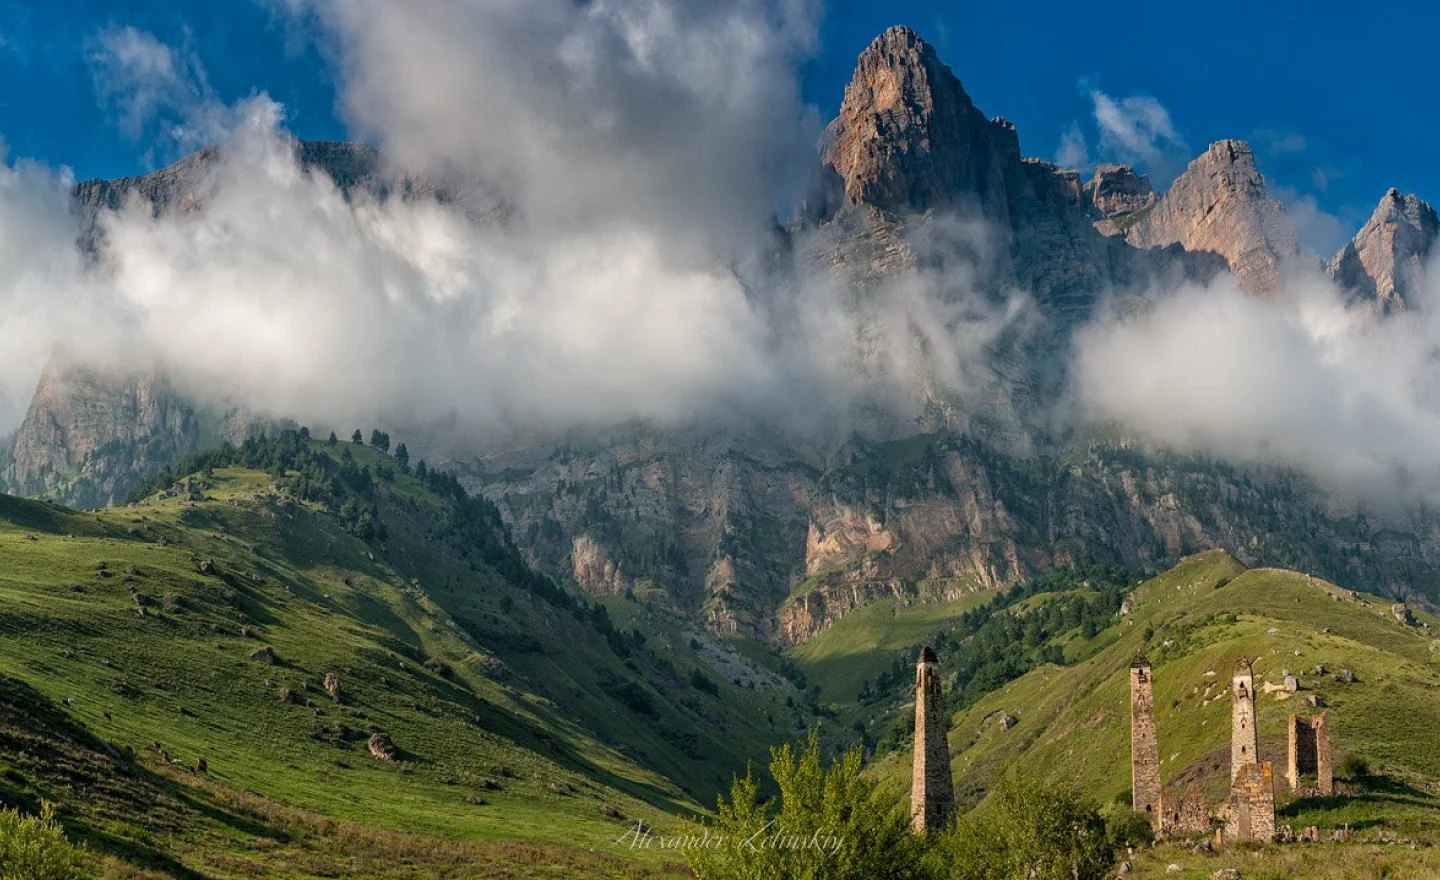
<point x="1126" y="827"/>
<point x="1355" y="768"/>
<point x="1031" y="831"/>
<point x="827" y="824"/>
<point x="35" y="847"/>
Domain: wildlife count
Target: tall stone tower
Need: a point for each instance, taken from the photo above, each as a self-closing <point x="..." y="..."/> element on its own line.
<point x="1244" y="740"/>
<point x="1144" y="746"/>
<point x="932" y="793"/>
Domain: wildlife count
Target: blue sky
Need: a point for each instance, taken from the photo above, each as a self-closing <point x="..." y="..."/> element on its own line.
<point x="1338" y="99"/>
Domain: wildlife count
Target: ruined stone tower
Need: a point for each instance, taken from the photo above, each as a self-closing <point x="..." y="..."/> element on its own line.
<point x="1244" y="741"/>
<point x="1144" y="746"/>
<point x="1250" y="814"/>
<point x="932" y="793"/>
<point x="1251" y="810"/>
<point x="1310" y="753"/>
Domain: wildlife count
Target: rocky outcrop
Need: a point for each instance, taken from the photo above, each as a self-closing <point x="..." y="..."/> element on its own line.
<point x="87" y="435"/>
<point x="1117" y="190"/>
<point x="908" y="138"/>
<point x="592" y="568"/>
<point x="1382" y="264"/>
<point x="1220" y="205"/>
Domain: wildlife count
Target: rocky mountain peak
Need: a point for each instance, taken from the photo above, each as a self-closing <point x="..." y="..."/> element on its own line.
<point x="1117" y="190"/>
<point x="1382" y="263"/>
<point x="1220" y="205"/>
<point x="908" y="137"/>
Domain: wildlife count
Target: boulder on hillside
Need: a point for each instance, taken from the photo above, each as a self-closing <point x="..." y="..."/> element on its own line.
<point x="381" y="747"/>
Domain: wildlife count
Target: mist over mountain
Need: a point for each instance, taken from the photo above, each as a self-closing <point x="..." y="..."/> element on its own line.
<point x="560" y="268"/>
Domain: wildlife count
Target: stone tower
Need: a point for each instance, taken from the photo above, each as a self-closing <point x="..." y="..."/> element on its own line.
<point x="1144" y="746"/>
<point x="1244" y="740"/>
<point x="932" y="793"/>
<point x="1310" y="753"/>
<point x="1251" y="810"/>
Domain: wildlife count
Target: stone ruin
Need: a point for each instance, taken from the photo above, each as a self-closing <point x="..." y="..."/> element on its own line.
<point x="932" y="792"/>
<point x="1251" y="808"/>
<point x="1310" y="754"/>
<point x="1144" y="745"/>
<point x="1249" y="811"/>
<point x="1191" y="816"/>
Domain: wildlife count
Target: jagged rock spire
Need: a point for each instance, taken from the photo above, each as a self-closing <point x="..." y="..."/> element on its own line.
<point x="1383" y="261"/>
<point x="908" y="137"/>
<point x="1220" y="205"/>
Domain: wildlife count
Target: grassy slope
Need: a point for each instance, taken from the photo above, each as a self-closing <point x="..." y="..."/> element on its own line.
<point x="861" y="644"/>
<point x="1073" y="722"/>
<point x="529" y="706"/>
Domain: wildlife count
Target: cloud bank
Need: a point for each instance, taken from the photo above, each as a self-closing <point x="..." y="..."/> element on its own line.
<point x="624" y="159"/>
<point x="1310" y="379"/>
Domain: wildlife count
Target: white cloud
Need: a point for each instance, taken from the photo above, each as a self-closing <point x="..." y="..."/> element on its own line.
<point x="1307" y="379"/>
<point x="1137" y="130"/>
<point x="1073" y="151"/>
<point x="158" y="92"/>
<point x="635" y="275"/>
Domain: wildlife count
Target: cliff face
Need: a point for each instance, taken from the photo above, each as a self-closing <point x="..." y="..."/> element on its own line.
<point x="86" y="436"/>
<point x="1117" y="190"/>
<point x="1383" y="262"/>
<point x="1220" y="205"/>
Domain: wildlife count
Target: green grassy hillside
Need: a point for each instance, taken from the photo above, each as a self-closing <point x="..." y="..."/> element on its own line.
<point x="1071" y="722"/>
<point x="201" y="623"/>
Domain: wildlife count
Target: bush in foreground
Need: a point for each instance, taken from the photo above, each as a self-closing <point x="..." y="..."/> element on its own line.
<point x="35" y="847"/>
<point x="831" y="823"/>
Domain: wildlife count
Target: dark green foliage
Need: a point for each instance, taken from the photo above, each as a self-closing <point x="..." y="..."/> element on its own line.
<point x="994" y="643"/>
<point x="1127" y="827"/>
<point x="828" y="823"/>
<point x="1030" y="831"/>
<point x="1355" y="768"/>
<point x="380" y="440"/>
<point x="357" y="438"/>
<point x="402" y="457"/>
<point x="702" y="682"/>
<point x="332" y="439"/>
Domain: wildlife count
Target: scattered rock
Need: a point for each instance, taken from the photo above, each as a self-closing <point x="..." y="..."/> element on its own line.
<point x="288" y="696"/>
<point x="1316" y="700"/>
<point x="207" y="566"/>
<point x="381" y="747"/>
<point x="1122" y="869"/>
<point x="1292" y="684"/>
<point x="561" y="788"/>
<point x="202" y="766"/>
<point x="1272" y="631"/>
<point x="1173" y="868"/>
<point x="265" y="655"/>
<point x="1226" y="874"/>
<point x="1345" y="675"/>
<point x="1402" y="614"/>
<point x="332" y="686"/>
<point x="613" y="813"/>
<point x="488" y="784"/>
